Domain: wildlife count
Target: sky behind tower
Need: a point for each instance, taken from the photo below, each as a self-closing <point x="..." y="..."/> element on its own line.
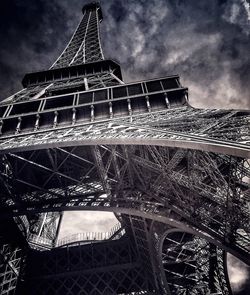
<point x="206" y="42"/>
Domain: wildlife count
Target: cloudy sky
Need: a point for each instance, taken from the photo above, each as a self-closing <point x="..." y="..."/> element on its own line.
<point x="206" y="42"/>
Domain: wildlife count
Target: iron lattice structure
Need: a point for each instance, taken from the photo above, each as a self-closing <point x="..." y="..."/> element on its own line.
<point x="76" y="137"/>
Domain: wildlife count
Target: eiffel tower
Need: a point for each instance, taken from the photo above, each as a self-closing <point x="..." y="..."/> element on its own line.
<point x="76" y="137"/>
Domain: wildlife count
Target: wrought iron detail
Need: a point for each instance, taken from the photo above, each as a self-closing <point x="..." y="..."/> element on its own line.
<point x="78" y="138"/>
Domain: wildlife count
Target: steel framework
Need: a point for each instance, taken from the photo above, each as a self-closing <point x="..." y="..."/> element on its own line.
<point x="178" y="179"/>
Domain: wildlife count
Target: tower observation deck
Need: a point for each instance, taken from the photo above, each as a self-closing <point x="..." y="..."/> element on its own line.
<point x="76" y="137"/>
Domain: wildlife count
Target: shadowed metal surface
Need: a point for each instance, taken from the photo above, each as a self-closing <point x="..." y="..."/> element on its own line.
<point x="78" y="138"/>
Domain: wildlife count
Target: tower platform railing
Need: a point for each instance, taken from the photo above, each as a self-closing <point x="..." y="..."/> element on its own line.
<point x="115" y="233"/>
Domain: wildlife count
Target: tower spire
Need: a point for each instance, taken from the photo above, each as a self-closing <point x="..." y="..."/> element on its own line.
<point x="85" y="45"/>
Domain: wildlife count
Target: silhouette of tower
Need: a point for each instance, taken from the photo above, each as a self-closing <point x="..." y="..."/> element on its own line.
<point x="76" y="137"/>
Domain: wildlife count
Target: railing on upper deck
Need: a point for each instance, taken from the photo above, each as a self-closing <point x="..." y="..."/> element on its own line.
<point x="128" y="100"/>
<point x="115" y="233"/>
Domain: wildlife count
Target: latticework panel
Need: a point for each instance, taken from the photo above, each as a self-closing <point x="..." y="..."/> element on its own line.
<point x="10" y="263"/>
<point x="84" y="46"/>
<point x="200" y="190"/>
<point x="193" y="266"/>
<point x="142" y="129"/>
<point x="187" y="264"/>
<point x="103" y="268"/>
<point x="140" y="229"/>
<point x="44" y="229"/>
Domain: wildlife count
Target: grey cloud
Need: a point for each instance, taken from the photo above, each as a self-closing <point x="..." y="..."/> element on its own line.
<point x="86" y="221"/>
<point x="206" y="43"/>
<point x="238" y="273"/>
<point x="238" y="12"/>
<point x="193" y="40"/>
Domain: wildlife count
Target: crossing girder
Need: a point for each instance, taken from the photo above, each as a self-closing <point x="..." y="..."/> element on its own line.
<point x="201" y="191"/>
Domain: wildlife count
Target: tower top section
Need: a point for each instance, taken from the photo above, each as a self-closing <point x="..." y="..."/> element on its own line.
<point x="82" y="63"/>
<point x="85" y="45"/>
<point x="94" y="6"/>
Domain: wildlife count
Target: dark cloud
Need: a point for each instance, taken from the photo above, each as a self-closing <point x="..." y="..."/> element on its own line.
<point x="200" y="40"/>
<point x="205" y="42"/>
<point x="32" y="34"/>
